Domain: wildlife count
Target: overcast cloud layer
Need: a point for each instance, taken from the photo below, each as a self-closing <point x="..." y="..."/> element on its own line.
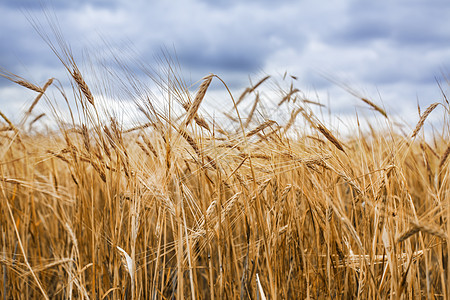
<point x="391" y="51"/>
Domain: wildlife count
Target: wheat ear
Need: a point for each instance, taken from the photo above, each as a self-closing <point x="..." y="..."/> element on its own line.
<point x="424" y="116"/>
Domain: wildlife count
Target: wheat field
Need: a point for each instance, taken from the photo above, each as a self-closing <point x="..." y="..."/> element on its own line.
<point x="179" y="206"/>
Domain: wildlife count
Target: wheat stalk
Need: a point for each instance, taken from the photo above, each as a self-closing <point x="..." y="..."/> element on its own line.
<point x="424" y="116"/>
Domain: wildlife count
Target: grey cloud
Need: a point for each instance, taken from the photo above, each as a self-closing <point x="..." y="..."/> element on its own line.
<point x="235" y="40"/>
<point x="222" y="60"/>
<point x="386" y="42"/>
<point x="402" y="22"/>
<point x="22" y="45"/>
<point x="264" y="3"/>
<point x="412" y="71"/>
<point x="22" y="51"/>
<point x="383" y="43"/>
<point x="364" y="30"/>
<point x="238" y="51"/>
<point x="58" y="4"/>
<point x="27" y="51"/>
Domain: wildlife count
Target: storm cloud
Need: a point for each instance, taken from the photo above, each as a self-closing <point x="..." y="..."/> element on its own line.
<point x="397" y="48"/>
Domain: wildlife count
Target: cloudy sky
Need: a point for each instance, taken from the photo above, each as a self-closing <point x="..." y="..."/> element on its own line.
<point x="392" y="52"/>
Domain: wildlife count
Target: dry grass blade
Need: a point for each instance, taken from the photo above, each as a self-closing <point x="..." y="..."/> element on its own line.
<point x="424" y="116"/>
<point x="354" y="93"/>
<point x="404" y="277"/>
<point x="330" y="137"/>
<point x="355" y="260"/>
<point x="127" y="262"/>
<point x="261" y="293"/>
<point x="6" y="128"/>
<point x="427" y="146"/>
